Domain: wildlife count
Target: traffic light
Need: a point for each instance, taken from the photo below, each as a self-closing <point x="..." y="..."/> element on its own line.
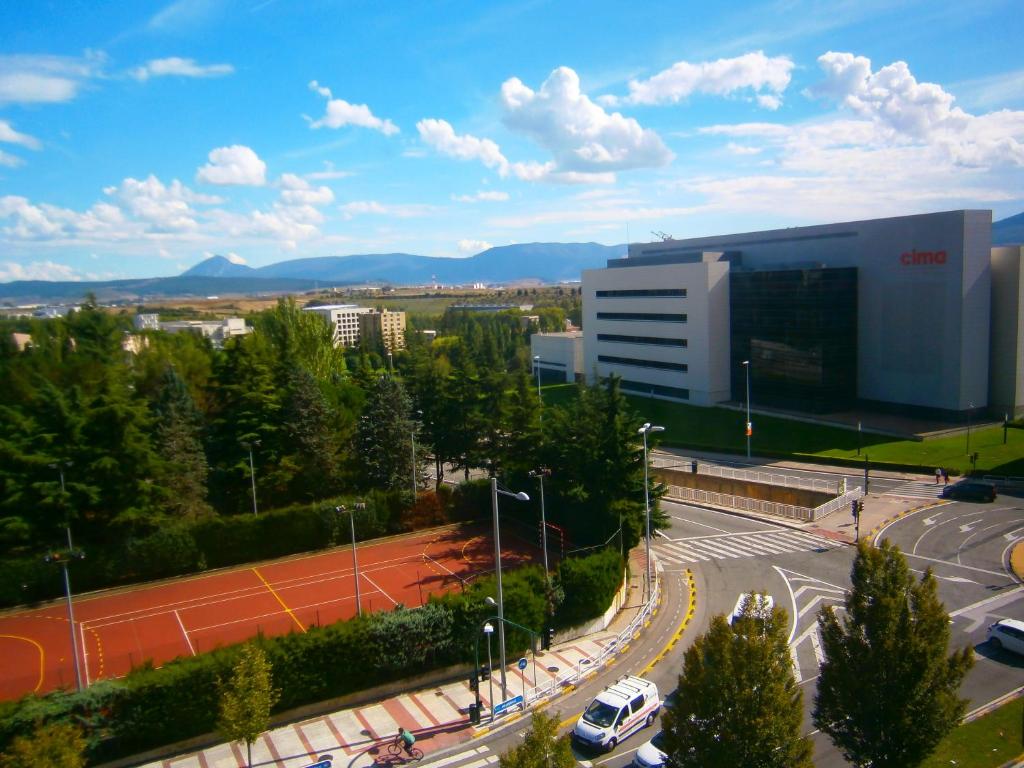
<point x="474" y="683"/>
<point x="547" y="639"/>
<point x="857" y="507"/>
<point x="485" y="673"/>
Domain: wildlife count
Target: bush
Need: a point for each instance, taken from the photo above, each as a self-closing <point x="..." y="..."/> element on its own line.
<point x="165" y="552"/>
<point x="589" y="584"/>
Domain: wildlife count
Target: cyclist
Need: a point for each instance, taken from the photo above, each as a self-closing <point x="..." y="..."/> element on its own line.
<point x="407" y="740"/>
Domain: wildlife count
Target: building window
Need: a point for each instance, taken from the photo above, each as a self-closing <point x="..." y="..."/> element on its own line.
<point x="642" y="387"/>
<point x="638" y="363"/>
<point x="653" y="340"/>
<point x="643" y="293"/>
<point x="647" y="317"/>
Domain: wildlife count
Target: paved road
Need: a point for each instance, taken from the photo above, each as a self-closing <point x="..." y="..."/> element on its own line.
<point x="965" y="544"/>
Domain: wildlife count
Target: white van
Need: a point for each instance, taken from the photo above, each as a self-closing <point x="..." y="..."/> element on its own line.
<point x="624" y="707"/>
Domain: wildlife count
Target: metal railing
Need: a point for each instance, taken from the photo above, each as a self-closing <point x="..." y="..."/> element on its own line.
<point x="587" y="664"/>
<point x="764" y="507"/>
<point x="685" y="464"/>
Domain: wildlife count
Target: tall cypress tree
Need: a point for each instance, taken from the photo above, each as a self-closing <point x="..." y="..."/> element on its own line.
<point x="179" y="443"/>
<point x="311" y="440"/>
<point x="385" y="437"/>
<point x="888" y="688"/>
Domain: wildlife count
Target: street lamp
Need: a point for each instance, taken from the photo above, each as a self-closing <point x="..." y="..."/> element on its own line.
<point x="61" y="558"/>
<point x="536" y="368"/>
<point x="59" y="466"/>
<point x="252" y="472"/>
<point x="355" y="558"/>
<point x="644" y="430"/>
<point x="539" y="474"/>
<point x="391" y="366"/>
<point x="970" y="408"/>
<point x="521" y="496"/>
<point x="489" y="630"/>
<point x="746" y="365"/>
<point x="412" y="437"/>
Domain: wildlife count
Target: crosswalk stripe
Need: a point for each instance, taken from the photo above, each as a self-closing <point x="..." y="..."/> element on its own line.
<point x="718" y="550"/>
<point x="774" y="546"/>
<point x="701" y="548"/>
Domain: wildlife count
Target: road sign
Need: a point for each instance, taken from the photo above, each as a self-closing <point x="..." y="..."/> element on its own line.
<point x="500" y="709"/>
<point x="522" y="663"/>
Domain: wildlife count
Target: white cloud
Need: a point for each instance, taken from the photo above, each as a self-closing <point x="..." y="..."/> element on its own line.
<point x="741" y="149"/>
<point x="236" y="164"/>
<point x="440" y="136"/>
<point x="582" y="137"/>
<point x="165" y="208"/>
<point x="372" y="207"/>
<point x="328" y="173"/>
<point x="295" y="190"/>
<point x="767" y="130"/>
<point x="341" y="113"/>
<point x="9" y="160"/>
<point x="905" y="111"/>
<point x="44" y="79"/>
<point x="493" y="196"/>
<point x="592" y="214"/>
<point x="179" y="67"/>
<point x="37" y="270"/>
<point x="473" y="246"/>
<point x="722" y="77"/>
<point x="11" y="136"/>
<point x="234" y="258"/>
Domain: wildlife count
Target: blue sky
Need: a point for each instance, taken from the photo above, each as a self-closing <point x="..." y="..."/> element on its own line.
<point x="139" y="138"/>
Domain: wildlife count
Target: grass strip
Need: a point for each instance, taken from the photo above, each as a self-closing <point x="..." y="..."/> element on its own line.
<point x="987" y="742"/>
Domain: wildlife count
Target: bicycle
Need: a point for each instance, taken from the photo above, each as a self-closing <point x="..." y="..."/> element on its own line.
<point x="397" y="747"/>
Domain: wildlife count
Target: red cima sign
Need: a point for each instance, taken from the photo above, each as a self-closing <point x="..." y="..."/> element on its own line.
<point x="908" y="258"/>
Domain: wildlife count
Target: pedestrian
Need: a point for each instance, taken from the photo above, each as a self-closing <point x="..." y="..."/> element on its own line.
<point x="938" y="474"/>
<point x="945" y="476"/>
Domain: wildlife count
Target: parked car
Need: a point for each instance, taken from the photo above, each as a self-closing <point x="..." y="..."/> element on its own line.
<point x="625" y="706"/>
<point x="652" y="753"/>
<point x="1008" y="634"/>
<point x="970" y="490"/>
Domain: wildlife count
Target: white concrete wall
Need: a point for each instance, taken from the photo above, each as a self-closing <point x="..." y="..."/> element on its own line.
<point x="1006" y="378"/>
<point x="560" y="353"/>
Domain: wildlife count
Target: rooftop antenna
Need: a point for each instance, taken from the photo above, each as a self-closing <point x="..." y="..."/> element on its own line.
<point x="664" y="237"/>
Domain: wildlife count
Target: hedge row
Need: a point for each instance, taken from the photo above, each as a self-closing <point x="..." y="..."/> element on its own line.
<point x="153" y="707"/>
<point x="221" y="541"/>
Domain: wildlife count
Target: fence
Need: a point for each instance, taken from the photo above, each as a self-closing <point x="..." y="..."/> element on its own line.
<point x="587" y="664"/>
<point x="762" y="507"/>
<point x="749" y="475"/>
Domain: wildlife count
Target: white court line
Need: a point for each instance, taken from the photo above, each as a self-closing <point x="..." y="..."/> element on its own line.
<point x="185" y="633"/>
<point x="441" y="565"/>
<point x="85" y="652"/>
<point x="378" y="588"/>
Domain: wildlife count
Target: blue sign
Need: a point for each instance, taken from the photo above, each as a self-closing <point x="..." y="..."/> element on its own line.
<point x="324" y="763"/>
<point x="508" y="704"/>
<point x="522" y="663"/>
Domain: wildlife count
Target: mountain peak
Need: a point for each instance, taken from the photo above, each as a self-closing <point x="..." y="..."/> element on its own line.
<point x="218" y="266"/>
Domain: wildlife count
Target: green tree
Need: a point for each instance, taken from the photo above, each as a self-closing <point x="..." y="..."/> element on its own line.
<point x="738" y="703"/>
<point x="179" y="443"/>
<point x="55" y="745"/>
<point x="888" y="690"/>
<point x="247" y="698"/>
<point x="542" y="747"/>
<point x="312" y="443"/>
<point x="385" y="435"/>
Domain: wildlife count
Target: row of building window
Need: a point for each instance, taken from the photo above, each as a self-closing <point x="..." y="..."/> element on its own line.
<point x="646" y="317"/>
<point x="648" y="293"/>
<point x="652" y="340"/>
<point x="638" y="363"/>
<point x="679" y="393"/>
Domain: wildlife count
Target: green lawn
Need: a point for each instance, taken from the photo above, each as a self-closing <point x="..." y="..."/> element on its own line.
<point x="718" y="429"/>
<point x="987" y="742"/>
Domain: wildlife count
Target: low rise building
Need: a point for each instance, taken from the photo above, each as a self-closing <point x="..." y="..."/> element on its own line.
<point x="558" y="357"/>
<point x="385" y="328"/>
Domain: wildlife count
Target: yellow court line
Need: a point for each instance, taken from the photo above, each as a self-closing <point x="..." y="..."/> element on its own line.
<point x="282" y="602"/>
<point x="41" y="656"/>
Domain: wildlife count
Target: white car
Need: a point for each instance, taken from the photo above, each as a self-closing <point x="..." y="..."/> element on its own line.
<point x="1008" y="634"/>
<point x="652" y="753"/>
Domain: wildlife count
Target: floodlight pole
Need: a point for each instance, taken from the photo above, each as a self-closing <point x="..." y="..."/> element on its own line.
<point x="648" y="427"/>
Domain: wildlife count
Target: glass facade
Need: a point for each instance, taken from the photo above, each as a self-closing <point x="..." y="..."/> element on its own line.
<point x="798" y="329"/>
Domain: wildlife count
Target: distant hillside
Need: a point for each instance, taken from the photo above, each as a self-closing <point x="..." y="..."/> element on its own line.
<point x="1008" y="231"/>
<point x="41" y="291"/>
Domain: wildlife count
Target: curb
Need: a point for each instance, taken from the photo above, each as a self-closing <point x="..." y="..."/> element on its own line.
<point x="691" y="590"/>
<point x="1017" y="560"/>
<point x="877" y="529"/>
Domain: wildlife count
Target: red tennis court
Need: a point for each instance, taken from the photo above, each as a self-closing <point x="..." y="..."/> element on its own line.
<point x="117" y="631"/>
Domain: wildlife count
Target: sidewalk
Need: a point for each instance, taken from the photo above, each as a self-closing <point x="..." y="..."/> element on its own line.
<point x="438" y="716"/>
<point x="879" y="509"/>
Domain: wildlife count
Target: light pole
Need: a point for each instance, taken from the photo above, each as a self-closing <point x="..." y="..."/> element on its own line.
<point x="746" y="366"/>
<point x="391" y="365"/>
<point x="489" y="630"/>
<point x="521" y="496"/>
<point x="59" y="466"/>
<point x="536" y="368"/>
<point x="970" y="408"/>
<point x="62" y="559"/>
<point x="355" y="558"/>
<point x="539" y="474"/>
<point x="412" y="438"/>
<point x="646" y="428"/>
<point x="252" y="472"/>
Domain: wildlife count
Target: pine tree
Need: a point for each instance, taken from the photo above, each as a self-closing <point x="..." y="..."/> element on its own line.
<point x="385" y="435"/>
<point x="179" y="443"/>
<point x="247" y="698"/>
<point x="888" y="690"/>
<point x="312" y="442"/>
<point x="542" y="747"/>
<point x="738" y="703"/>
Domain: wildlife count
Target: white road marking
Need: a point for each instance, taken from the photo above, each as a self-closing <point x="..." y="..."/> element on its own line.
<point x="185" y="633"/>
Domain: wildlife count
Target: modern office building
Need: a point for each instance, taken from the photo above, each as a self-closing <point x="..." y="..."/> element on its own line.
<point x="352" y="324"/>
<point x="914" y="314"/>
<point x="557" y="357"/>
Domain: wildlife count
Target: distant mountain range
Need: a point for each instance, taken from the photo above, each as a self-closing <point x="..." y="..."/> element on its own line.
<point x="507" y="264"/>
